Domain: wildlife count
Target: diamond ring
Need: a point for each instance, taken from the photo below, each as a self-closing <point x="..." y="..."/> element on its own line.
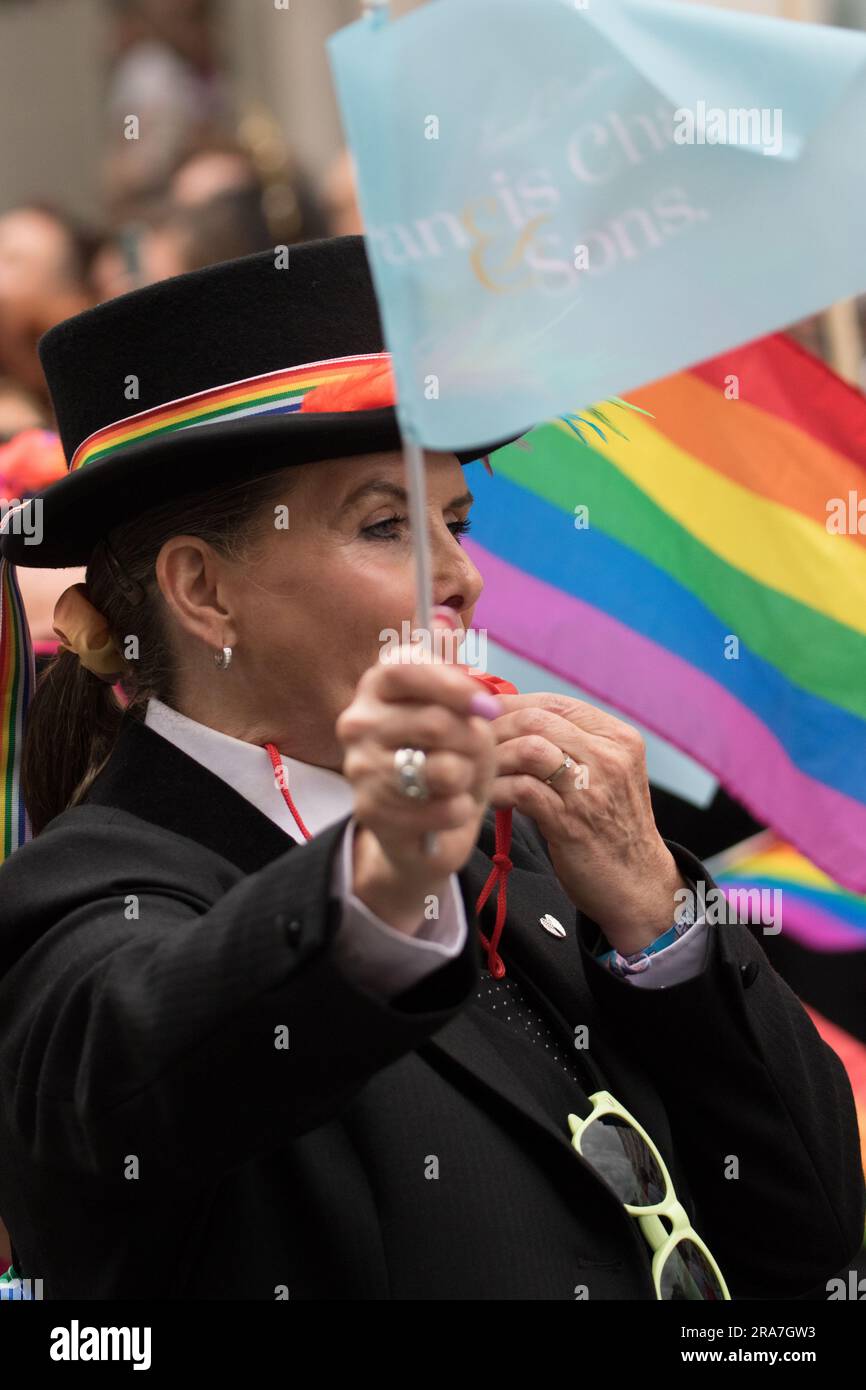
<point x="409" y="764"/>
<point x="566" y="762"/>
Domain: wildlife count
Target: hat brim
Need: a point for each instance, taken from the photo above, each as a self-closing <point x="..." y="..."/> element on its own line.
<point x="79" y="509"/>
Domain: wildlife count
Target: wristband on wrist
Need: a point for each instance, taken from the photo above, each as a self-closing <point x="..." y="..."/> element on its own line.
<point x="639" y="961"/>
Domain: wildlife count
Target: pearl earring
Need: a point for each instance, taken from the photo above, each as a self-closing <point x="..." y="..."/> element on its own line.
<point x="222" y="660"/>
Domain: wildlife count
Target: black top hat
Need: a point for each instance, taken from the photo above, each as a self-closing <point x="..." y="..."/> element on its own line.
<point x="199" y="380"/>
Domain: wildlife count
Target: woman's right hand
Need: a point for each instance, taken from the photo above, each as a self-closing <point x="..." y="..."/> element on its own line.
<point x="422" y="704"/>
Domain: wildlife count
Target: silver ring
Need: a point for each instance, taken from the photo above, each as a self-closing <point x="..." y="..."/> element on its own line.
<point x="409" y="764"/>
<point x="566" y="762"/>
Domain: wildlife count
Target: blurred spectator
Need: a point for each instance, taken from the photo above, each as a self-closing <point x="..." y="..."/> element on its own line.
<point x="261" y="164"/>
<point x="115" y="265"/>
<point x="811" y="334"/>
<point x="165" y="73"/>
<point x="186" y="238"/>
<point x="228" y="226"/>
<point x="172" y="239"/>
<point x="218" y="205"/>
<point x="19" y="410"/>
<point x="840" y="343"/>
<point x="214" y="170"/>
<point x="29" y="462"/>
<point x="340" y="199"/>
<point x="45" y="263"/>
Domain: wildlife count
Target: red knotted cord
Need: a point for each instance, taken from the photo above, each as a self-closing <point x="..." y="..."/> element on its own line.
<point x="280" y="779"/>
<point x="502" y="865"/>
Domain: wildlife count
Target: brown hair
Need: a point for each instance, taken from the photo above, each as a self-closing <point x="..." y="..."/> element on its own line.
<point x="75" y="717"/>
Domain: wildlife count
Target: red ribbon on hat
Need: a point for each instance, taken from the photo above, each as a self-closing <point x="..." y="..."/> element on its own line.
<point x="372" y="389"/>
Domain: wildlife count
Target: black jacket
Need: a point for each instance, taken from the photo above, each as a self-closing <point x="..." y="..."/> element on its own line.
<point x="155" y="1142"/>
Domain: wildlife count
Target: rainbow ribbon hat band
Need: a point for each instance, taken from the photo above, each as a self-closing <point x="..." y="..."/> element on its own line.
<point x="273" y="393"/>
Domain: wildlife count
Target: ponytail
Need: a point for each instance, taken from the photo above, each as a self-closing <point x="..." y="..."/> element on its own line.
<point x="59" y="763"/>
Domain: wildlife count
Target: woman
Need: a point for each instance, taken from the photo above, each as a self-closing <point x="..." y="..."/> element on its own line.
<point x="250" y="1045"/>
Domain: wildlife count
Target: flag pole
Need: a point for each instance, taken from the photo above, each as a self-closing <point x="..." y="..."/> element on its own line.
<point x="378" y="12"/>
<point x="413" y="455"/>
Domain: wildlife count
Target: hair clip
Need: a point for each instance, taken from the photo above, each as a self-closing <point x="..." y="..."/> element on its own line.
<point x="132" y="591"/>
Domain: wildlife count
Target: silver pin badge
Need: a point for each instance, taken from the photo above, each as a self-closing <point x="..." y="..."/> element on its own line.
<point x="551" y="925"/>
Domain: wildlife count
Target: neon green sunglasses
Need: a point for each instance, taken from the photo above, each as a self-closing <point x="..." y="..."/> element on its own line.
<point x="624" y="1156"/>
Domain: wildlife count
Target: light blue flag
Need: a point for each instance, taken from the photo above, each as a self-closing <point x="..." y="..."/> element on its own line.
<point x="567" y="200"/>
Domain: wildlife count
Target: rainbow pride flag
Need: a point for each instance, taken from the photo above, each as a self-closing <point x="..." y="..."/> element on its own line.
<point x="820" y="950"/>
<point x="702" y="571"/>
<point x="817" y="913"/>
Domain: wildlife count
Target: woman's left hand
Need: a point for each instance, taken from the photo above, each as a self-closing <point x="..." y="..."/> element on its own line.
<point x="596" y="816"/>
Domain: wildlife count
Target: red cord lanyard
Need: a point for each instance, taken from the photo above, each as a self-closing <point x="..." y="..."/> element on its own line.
<point x="280" y="779"/>
<point x="502" y="864"/>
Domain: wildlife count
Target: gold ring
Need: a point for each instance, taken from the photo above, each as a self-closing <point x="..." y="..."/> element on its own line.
<point x="566" y="762"/>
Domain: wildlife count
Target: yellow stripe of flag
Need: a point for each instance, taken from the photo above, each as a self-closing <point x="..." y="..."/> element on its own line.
<point x="771" y="543"/>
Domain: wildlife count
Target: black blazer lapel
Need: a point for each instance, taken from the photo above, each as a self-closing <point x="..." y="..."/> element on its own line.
<point x="461" y="1046"/>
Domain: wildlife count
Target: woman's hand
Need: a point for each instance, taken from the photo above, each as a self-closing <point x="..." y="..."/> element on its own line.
<point x="596" y="816"/>
<point x="425" y="705"/>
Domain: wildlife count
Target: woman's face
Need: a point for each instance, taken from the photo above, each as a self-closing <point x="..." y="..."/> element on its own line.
<point x="311" y="612"/>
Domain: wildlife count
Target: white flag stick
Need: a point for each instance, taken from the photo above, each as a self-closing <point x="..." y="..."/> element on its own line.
<point x="416" y="488"/>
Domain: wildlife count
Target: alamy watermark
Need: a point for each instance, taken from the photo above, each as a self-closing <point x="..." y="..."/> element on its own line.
<point x="713" y="125"/>
<point x="759" y="906"/>
<point x="413" y="645"/>
<point x="15" y="1290"/>
<point x="22" y="518"/>
<point x="77" y="1343"/>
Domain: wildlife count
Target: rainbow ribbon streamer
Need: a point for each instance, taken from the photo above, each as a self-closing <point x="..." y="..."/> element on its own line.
<point x="17" y="679"/>
<point x="822" y="945"/>
<point x="819" y="915"/>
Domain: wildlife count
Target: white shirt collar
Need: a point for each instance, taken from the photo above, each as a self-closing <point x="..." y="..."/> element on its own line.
<point x="320" y="795"/>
